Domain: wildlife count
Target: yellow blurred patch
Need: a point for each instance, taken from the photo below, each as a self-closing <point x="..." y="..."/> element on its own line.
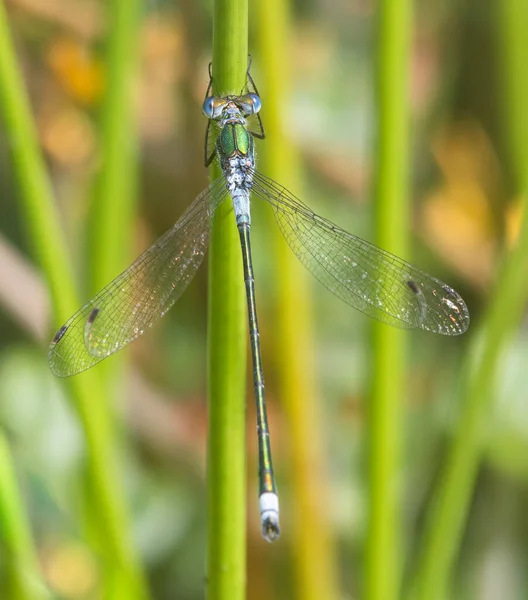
<point x="77" y="70"/>
<point x="70" y="570"/>
<point x="514" y="217"/>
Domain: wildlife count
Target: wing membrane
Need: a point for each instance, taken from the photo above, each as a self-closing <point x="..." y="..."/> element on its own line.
<point x="141" y="295"/>
<point x="368" y="278"/>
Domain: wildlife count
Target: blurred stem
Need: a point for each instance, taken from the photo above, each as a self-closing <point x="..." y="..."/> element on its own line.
<point x="36" y="194"/>
<point x="114" y="202"/>
<point x="110" y="523"/>
<point x="391" y="176"/>
<point x="50" y="249"/>
<point x="448" y="513"/>
<point x="21" y="570"/>
<point x="226" y="564"/>
<point x="114" y="199"/>
<point x="513" y="23"/>
<point x="314" y="557"/>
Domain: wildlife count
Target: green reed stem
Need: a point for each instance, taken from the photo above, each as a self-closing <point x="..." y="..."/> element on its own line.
<point x="513" y="21"/>
<point x="448" y="513"/>
<point x="87" y="396"/>
<point x="114" y="202"/>
<point x="20" y="567"/>
<point x="314" y="559"/>
<point x="391" y="176"/>
<point x="35" y="188"/>
<point x="227" y="333"/>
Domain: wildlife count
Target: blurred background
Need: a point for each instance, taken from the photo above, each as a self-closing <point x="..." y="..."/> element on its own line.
<point x="466" y="214"/>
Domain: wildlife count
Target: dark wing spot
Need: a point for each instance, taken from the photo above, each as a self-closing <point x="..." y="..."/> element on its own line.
<point x="413" y="287"/>
<point x="93" y="316"/>
<point x="59" y="334"/>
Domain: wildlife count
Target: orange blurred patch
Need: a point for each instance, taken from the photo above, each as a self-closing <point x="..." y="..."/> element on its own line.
<point x="77" y="70"/>
<point x="68" y="137"/>
<point x="457" y="217"/>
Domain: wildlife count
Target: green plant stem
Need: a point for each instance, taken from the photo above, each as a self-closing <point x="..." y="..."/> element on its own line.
<point x="111" y="227"/>
<point x="35" y="189"/>
<point x="512" y="19"/>
<point x="114" y="202"/>
<point x="314" y="558"/>
<point x="391" y="176"/>
<point x="226" y="555"/>
<point x="110" y="525"/>
<point x="22" y="579"/>
<point x="448" y="513"/>
<point x="50" y="249"/>
<point x="112" y="210"/>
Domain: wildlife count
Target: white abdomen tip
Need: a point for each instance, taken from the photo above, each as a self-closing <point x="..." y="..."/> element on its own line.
<point x="269" y="516"/>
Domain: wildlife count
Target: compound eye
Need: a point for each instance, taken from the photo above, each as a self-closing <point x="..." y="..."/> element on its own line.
<point x="255" y="103"/>
<point x="208" y="107"/>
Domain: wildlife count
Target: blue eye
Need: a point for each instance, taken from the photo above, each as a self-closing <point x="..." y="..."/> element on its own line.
<point x="256" y="103"/>
<point x="249" y="104"/>
<point x="208" y="107"/>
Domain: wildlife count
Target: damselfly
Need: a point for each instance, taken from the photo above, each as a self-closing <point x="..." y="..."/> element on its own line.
<point x="370" y="279"/>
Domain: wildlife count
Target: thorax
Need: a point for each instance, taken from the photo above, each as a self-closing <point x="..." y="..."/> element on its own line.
<point x="235" y="148"/>
<point x="234" y="140"/>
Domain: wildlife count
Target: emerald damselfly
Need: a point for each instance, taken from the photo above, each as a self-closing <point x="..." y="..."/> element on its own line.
<point x="368" y="278"/>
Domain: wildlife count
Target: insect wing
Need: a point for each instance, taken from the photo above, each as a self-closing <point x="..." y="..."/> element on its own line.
<point x="141" y="295"/>
<point x="368" y="278"/>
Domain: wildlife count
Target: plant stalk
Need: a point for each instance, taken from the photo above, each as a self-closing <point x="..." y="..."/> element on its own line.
<point x="87" y="396"/>
<point x="20" y="566"/>
<point x="314" y="557"/>
<point x="227" y="341"/>
<point x="448" y="514"/>
<point x="391" y="176"/>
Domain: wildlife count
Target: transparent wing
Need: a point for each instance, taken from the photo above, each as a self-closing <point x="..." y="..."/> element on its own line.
<point x="368" y="278"/>
<point x="141" y="295"/>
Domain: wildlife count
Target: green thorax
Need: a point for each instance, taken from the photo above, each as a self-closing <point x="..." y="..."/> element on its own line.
<point x="234" y="139"/>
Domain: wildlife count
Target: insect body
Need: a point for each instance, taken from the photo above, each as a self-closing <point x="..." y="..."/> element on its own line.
<point x="368" y="278"/>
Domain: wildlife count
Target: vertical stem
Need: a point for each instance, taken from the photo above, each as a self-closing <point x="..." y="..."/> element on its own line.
<point x="314" y="557"/>
<point x="513" y="23"/>
<point x="50" y="249"/>
<point x="447" y="516"/>
<point x="36" y="194"/>
<point x="110" y="523"/>
<point x="114" y="202"/>
<point x="112" y="211"/>
<point x="22" y="580"/>
<point x="226" y="556"/>
<point x="110" y="235"/>
<point x="391" y="176"/>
